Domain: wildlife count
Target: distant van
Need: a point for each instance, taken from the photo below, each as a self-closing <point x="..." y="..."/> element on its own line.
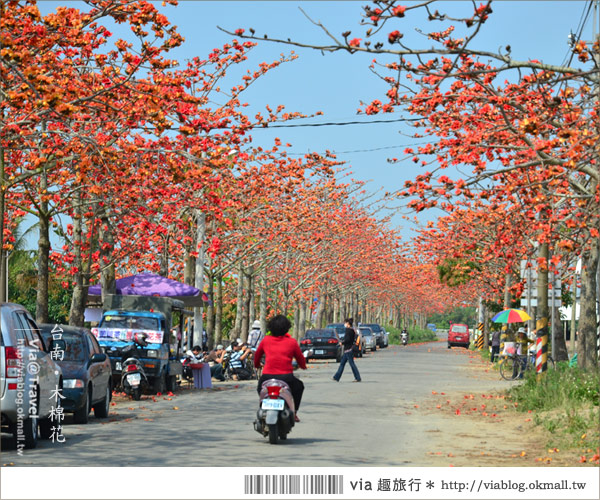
<point x="458" y="335"/>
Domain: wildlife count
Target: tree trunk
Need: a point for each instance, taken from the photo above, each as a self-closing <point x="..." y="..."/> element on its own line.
<point x="542" y="302"/>
<point x="588" y="327"/>
<point x="218" y="300"/>
<point x="41" y="306"/>
<point x="264" y="294"/>
<point x="297" y="320"/>
<point x="245" y="327"/>
<point x="79" y="298"/>
<point x="504" y="332"/>
<point x="302" y="319"/>
<point x="559" y="349"/>
<point x="164" y="258"/>
<point x="237" y="326"/>
<point x="106" y="239"/>
<point x="199" y="274"/>
<point x="189" y="268"/>
<point x="210" y="312"/>
<point x="3" y="253"/>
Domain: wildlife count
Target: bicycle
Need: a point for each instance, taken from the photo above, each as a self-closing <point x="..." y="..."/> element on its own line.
<point x="513" y="366"/>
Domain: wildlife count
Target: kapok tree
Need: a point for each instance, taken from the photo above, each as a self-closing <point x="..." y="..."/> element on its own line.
<point x="545" y="122"/>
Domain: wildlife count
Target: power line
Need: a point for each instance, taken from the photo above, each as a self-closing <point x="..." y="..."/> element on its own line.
<point x="337" y="124"/>
<point x="366" y="150"/>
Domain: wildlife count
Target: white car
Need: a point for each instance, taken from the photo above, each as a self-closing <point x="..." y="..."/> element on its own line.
<point x="29" y="378"/>
<point x="369" y="338"/>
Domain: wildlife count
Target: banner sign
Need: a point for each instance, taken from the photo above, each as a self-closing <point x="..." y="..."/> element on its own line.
<point x="125" y="334"/>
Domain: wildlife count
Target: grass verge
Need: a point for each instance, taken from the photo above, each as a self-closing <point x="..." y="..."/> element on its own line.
<point x="415" y="335"/>
<point x="566" y="403"/>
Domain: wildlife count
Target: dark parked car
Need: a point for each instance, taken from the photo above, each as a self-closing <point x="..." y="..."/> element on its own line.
<point x="341" y="331"/>
<point x="339" y="328"/>
<point x="87" y="375"/>
<point x="324" y="343"/>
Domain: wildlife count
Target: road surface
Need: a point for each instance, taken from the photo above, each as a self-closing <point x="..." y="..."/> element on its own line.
<point x="373" y="423"/>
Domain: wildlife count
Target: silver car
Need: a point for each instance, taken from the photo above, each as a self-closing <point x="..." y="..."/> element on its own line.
<point x="369" y="338"/>
<point x="29" y="379"/>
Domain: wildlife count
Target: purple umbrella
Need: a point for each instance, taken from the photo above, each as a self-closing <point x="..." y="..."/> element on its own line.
<point x="150" y="285"/>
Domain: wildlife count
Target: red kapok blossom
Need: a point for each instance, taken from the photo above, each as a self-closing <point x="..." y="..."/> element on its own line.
<point x="355" y="42"/>
<point x="394" y="36"/>
<point x="399" y="10"/>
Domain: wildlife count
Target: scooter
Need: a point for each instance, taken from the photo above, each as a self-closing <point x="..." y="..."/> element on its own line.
<point x="275" y="415"/>
<point x="133" y="378"/>
<point x="404" y="336"/>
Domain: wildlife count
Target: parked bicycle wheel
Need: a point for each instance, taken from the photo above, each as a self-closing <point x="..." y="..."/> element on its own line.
<point x="549" y="362"/>
<point x="510" y="367"/>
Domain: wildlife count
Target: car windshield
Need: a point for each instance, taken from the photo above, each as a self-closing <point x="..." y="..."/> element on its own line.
<point x="375" y="328"/>
<point x="131" y="322"/>
<point x="75" y="348"/>
<point x="366" y="331"/>
<point x="311" y="334"/>
<point x="459" y="328"/>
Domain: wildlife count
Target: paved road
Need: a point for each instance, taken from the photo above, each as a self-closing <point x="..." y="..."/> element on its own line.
<point x="371" y="423"/>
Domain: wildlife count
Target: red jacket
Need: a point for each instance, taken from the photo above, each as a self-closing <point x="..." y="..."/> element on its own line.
<point x="279" y="352"/>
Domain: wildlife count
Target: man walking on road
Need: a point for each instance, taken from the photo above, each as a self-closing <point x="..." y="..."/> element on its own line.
<point x="348" y="356"/>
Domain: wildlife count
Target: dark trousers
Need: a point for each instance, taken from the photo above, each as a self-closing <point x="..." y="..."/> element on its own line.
<point x="348" y="357"/>
<point x="296" y="385"/>
<point x="216" y="371"/>
<point x="495" y="352"/>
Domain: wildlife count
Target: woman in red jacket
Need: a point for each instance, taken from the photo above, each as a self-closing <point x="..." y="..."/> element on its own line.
<point x="280" y="349"/>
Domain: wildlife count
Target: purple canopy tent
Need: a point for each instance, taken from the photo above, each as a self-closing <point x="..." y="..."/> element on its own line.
<point x="149" y="284"/>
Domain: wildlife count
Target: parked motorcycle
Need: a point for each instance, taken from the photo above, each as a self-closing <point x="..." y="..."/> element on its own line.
<point x="404" y="336"/>
<point x="133" y="378"/>
<point x="275" y="415"/>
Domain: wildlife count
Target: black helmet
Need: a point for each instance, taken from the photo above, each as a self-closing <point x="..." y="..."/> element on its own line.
<point x="140" y="339"/>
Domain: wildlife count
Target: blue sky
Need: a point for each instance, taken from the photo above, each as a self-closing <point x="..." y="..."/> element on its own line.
<point x="336" y="83"/>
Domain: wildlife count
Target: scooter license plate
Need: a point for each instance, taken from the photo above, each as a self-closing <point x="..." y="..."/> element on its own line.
<point x="118" y="366"/>
<point x="134" y="379"/>
<point x="319" y="351"/>
<point x="272" y="404"/>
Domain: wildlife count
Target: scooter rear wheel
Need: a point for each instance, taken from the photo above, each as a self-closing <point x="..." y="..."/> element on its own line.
<point x="137" y="393"/>
<point x="273" y="433"/>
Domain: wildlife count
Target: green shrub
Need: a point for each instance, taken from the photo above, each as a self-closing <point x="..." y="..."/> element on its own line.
<point x="415" y="335"/>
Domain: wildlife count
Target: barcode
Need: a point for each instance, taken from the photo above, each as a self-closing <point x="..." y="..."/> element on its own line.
<point x="293" y="484"/>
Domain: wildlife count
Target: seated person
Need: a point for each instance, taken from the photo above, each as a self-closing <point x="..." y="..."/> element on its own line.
<point x="215" y="361"/>
<point x="192" y="356"/>
<point x="237" y="361"/>
<point x="195" y="355"/>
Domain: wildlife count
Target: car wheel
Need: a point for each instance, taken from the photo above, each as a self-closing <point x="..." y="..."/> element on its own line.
<point x="81" y="416"/>
<point x="30" y="430"/>
<point x="160" y="383"/>
<point x="171" y="383"/>
<point x="449" y="345"/>
<point x="102" y="408"/>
